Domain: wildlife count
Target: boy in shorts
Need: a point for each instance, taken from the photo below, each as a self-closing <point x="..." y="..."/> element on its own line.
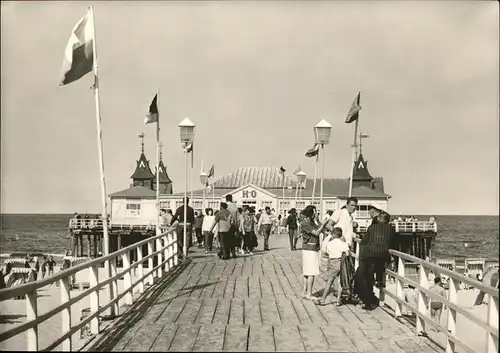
<point x="334" y="247"/>
<point x="436" y="306"/>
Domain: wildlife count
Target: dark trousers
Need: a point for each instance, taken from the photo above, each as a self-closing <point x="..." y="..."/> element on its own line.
<point x="365" y="279"/>
<point x="292" y="237"/>
<point x="180" y="236"/>
<point x="248" y="240"/>
<point x="209" y="240"/>
<point x="224" y="240"/>
<point x="231" y="240"/>
<point x="199" y="236"/>
<point x="266" y="232"/>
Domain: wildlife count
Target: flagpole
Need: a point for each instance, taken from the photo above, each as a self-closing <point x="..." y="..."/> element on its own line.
<point x="104" y="217"/>
<point x="296" y="193"/>
<point x="158" y="231"/>
<point x="321" y="185"/>
<point x="353" y="156"/>
<point x="192" y="173"/>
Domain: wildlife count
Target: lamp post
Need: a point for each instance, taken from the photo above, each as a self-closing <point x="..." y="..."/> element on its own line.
<point x="203" y="179"/>
<point x="322" y="136"/>
<point x="301" y="177"/>
<point x="186" y="127"/>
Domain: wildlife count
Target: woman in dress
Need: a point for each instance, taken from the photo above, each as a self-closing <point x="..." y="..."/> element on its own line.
<point x="310" y="232"/>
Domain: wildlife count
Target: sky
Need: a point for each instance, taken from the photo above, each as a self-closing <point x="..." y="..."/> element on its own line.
<point x="255" y="77"/>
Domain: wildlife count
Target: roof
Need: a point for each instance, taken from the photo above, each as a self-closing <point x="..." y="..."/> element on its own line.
<point x="142" y="170"/>
<point x="135" y="192"/>
<point x="163" y="174"/>
<point x="361" y="169"/>
<point x="263" y="177"/>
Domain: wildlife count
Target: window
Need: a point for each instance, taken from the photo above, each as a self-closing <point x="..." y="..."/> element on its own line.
<point x="197" y="205"/>
<point x="362" y="211"/>
<point x="330" y="205"/>
<point x="133" y="210"/>
<point x="165" y="204"/>
<point x="215" y="205"/>
<point x="179" y="203"/>
<point x="284" y="205"/>
<point x="300" y="205"/>
<point x="266" y="204"/>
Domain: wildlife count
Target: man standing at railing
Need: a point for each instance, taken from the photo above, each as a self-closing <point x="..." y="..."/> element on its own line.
<point x="344" y="219"/>
<point x="373" y="255"/>
<point x="179" y="216"/>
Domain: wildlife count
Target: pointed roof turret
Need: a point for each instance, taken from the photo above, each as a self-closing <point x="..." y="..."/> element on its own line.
<point x="163" y="174"/>
<point x="142" y="170"/>
<point x="361" y="172"/>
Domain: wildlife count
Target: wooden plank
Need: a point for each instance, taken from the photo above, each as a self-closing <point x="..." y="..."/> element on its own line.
<point x="220" y="287"/>
<point x="313" y="338"/>
<point x="221" y="316"/>
<point x="155" y="311"/>
<point x="261" y="339"/>
<point x="210" y="338"/>
<point x="275" y="283"/>
<point x="241" y="287"/>
<point x="236" y="338"/>
<point x="170" y="315"/>
<point x="190" y="311"/>
<point x="189" y="287"/>
<point x="287" y="339"/>
<point x="254" y="287"/>
<point x="236" y="315"/>
<point x="269" y="311"/>
<point x="266" y="287"/>
<point x="360" y="340"/>
<point x="174" y="290"/>
<point x="127" y="336"/>
<point x="252" y="312"/>
<point x="346" y="312"/>
<point x="301" y="311"/>
<point x="144" y="338"/>
<point x="228" y="271"/>
<point x="208" y="269"/>
<point x="207" y="311"/>
<point x="366" y="317"/>
<point x="164" y="339"/>
<point x="246" y="269"/>
<point x="410" y="346"/>
<point x="257" y="268"/>
<point x="185" y="337"/>
<point x="238" y="267"/>
<point x="332" y="315"/>
<point x="208" y="290"/>
<point x="287" y="310"/>
<point x="337" y="340"/>
<point x="202" y="283"/>
<point x="229" y="291"/>
<point x="314" y="313"/>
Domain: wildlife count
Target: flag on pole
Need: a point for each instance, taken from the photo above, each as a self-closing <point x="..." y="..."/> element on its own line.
<point x="211" y="172"/>
<point x="282" y="170"/>
<point x="79" y="53"/>
<point x="152" y="115"/>
<point x="353" y="114"/>
<point x="189" y="149"/>
<point x="313" y="151"/>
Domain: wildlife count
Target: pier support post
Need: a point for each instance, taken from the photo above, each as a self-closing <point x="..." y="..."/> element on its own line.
<point x="90" y="244"/>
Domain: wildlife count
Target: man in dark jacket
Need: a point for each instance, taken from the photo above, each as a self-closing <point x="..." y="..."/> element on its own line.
<point x="374" y="253"/>
<point x="179" y="216"/>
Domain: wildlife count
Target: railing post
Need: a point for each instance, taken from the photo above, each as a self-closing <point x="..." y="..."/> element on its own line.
<point x="356" y="259"/>
<point x="492" y="320"/>
<point x="159" y="272"/>
<point x="451" y="324"/>
<point x="170" y="239"/>
<point x="150" y="262"/>
<point x="423" y="299"/>
<point x="127" y="279"/>
<point x="32" y="314"/>
<point x="94" y="299"/>
<point x="65" y="286"/>
<point x="176" y="250"/>
<point x="115" y="308"/>
<point x="140" y="269"/>
<point x="165" y="251"/>
<point x="399" y="287"/>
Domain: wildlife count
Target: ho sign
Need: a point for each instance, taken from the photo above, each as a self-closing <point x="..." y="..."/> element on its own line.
<point x="249" y="193"/>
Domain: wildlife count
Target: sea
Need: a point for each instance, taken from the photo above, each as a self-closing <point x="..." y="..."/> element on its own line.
<point x="458" y="237"/>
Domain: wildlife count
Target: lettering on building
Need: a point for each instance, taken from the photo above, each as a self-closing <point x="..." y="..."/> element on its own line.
<point x="246" y="194"/>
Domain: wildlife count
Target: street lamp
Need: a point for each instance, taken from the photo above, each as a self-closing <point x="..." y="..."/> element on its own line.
<point x="203" y="179"/>
<point x="187" y="136"/>
<point x="301" y="177"/>
<point x="322" y="132"/>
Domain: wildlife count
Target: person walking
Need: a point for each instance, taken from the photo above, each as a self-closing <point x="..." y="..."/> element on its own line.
<point x="208" y="220"/>
<point x="310" y="232"/>
<point x="232" y="234"/>
<point x="198" y="222"/>
<point x="223" y="221"/>
<point x="179" y="217"/>
<point x="247" y="229"/>
<point x="292" y="224"/>
<point x="264" y="226"/>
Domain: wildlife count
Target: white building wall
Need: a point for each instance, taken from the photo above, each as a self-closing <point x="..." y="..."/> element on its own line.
<point x="139" y="212"/>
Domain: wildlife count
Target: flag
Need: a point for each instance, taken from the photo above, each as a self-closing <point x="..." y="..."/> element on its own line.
<point x="189" y="149"/>
<point x="152" y="115"/>
<point x="297" y="170"/>
<point x="211" y="172"/>
<point x="313" y="151"/>
<point x="282" y="170"/>
<point x="353" y="114"/>
<point x="79" y="53"/>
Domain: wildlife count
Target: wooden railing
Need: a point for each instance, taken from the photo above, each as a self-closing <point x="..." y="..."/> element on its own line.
<point x="403" y="227"/>
<point x="166" y="255"/>
<point x="490" y="326"/>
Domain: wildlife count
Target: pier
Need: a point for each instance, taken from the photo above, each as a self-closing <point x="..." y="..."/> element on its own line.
<point x="251" y="303"/>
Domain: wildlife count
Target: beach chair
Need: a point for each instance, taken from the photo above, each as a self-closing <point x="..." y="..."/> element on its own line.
<point x="449" y="264"/>
<point x="474" y="268"/>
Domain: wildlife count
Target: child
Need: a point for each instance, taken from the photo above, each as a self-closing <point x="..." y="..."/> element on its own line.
<point x="334" y="247"/>
<point x="436" y="306"/>
<point x="411" y="297"/>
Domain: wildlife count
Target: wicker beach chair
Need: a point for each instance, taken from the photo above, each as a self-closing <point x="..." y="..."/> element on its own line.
<point x="449" y="264"/>
<point x="475" y="268"/>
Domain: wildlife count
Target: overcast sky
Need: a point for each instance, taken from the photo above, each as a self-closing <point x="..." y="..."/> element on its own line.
<point x="255" y="78"/>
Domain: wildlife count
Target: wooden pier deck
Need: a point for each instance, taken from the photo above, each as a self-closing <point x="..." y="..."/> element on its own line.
<point x="252" y="303"/>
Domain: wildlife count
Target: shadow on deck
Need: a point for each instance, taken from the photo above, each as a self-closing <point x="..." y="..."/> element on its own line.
<point x="252" y="303"/>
